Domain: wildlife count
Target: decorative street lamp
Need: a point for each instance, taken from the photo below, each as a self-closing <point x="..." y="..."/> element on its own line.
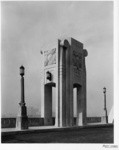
<point x="22" y="119"/>
<point x="48" y="75"/>
<point x="105" y="108"/>
<point x="22" y="72"/>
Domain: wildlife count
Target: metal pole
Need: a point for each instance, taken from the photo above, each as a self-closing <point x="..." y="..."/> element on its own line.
<point x="105" y="108"/>
<point x="22" y="89"/>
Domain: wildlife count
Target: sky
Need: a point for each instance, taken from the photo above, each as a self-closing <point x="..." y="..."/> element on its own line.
<point x="29" y="27"/>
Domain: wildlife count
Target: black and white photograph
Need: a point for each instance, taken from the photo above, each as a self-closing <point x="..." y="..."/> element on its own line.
<point x="57" y="73"/>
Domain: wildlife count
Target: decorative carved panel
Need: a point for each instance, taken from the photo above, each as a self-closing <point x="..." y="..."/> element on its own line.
<point x="50" y="57"/>
<point x="77" y="60"/>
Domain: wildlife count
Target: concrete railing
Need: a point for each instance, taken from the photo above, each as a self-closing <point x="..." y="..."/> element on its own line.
<point x="8" y="122"/>
<point x="93" y="119"/>
<point x="11" y="122"/>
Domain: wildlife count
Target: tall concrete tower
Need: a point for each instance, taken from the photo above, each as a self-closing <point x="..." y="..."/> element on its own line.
<point x="64" y="69"/>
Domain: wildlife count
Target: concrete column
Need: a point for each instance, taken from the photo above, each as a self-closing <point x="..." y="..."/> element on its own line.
<point x="74" y="103"/>
<point x="84" y="103"/>
<point x="56" y="108"/>
<point x="79" y="121"/>
<point x="71" y="105"/>
<point x="57" y="114"/>
<point x="68" y="86"/>
<point x="48" y="105"/>
<point x="71" y="90"/>
<point x="42" y="98"/>
<point x="62" y="78"/>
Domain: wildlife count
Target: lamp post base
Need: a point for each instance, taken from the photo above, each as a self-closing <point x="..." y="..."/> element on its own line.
<point x="22" y="118"/>
<point x="22" y="122"/>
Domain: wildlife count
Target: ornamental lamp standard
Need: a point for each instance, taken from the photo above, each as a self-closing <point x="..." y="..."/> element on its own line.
<point x="22" y="118"/>
<point x="105" y="108"/>
<point x="22" y="72"/>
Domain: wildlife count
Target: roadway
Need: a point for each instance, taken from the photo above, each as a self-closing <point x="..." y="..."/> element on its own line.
<point x="90" y="134"/>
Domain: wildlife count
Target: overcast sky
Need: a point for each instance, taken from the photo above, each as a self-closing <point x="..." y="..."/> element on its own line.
<point x="28" y="27"/>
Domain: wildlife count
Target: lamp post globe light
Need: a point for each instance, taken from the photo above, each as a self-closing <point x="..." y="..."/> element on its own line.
<point x="22" y="70"/>
<point x="105" y="108"/>
<point x="104" y="90"/>
<point x="22" y="119"/>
